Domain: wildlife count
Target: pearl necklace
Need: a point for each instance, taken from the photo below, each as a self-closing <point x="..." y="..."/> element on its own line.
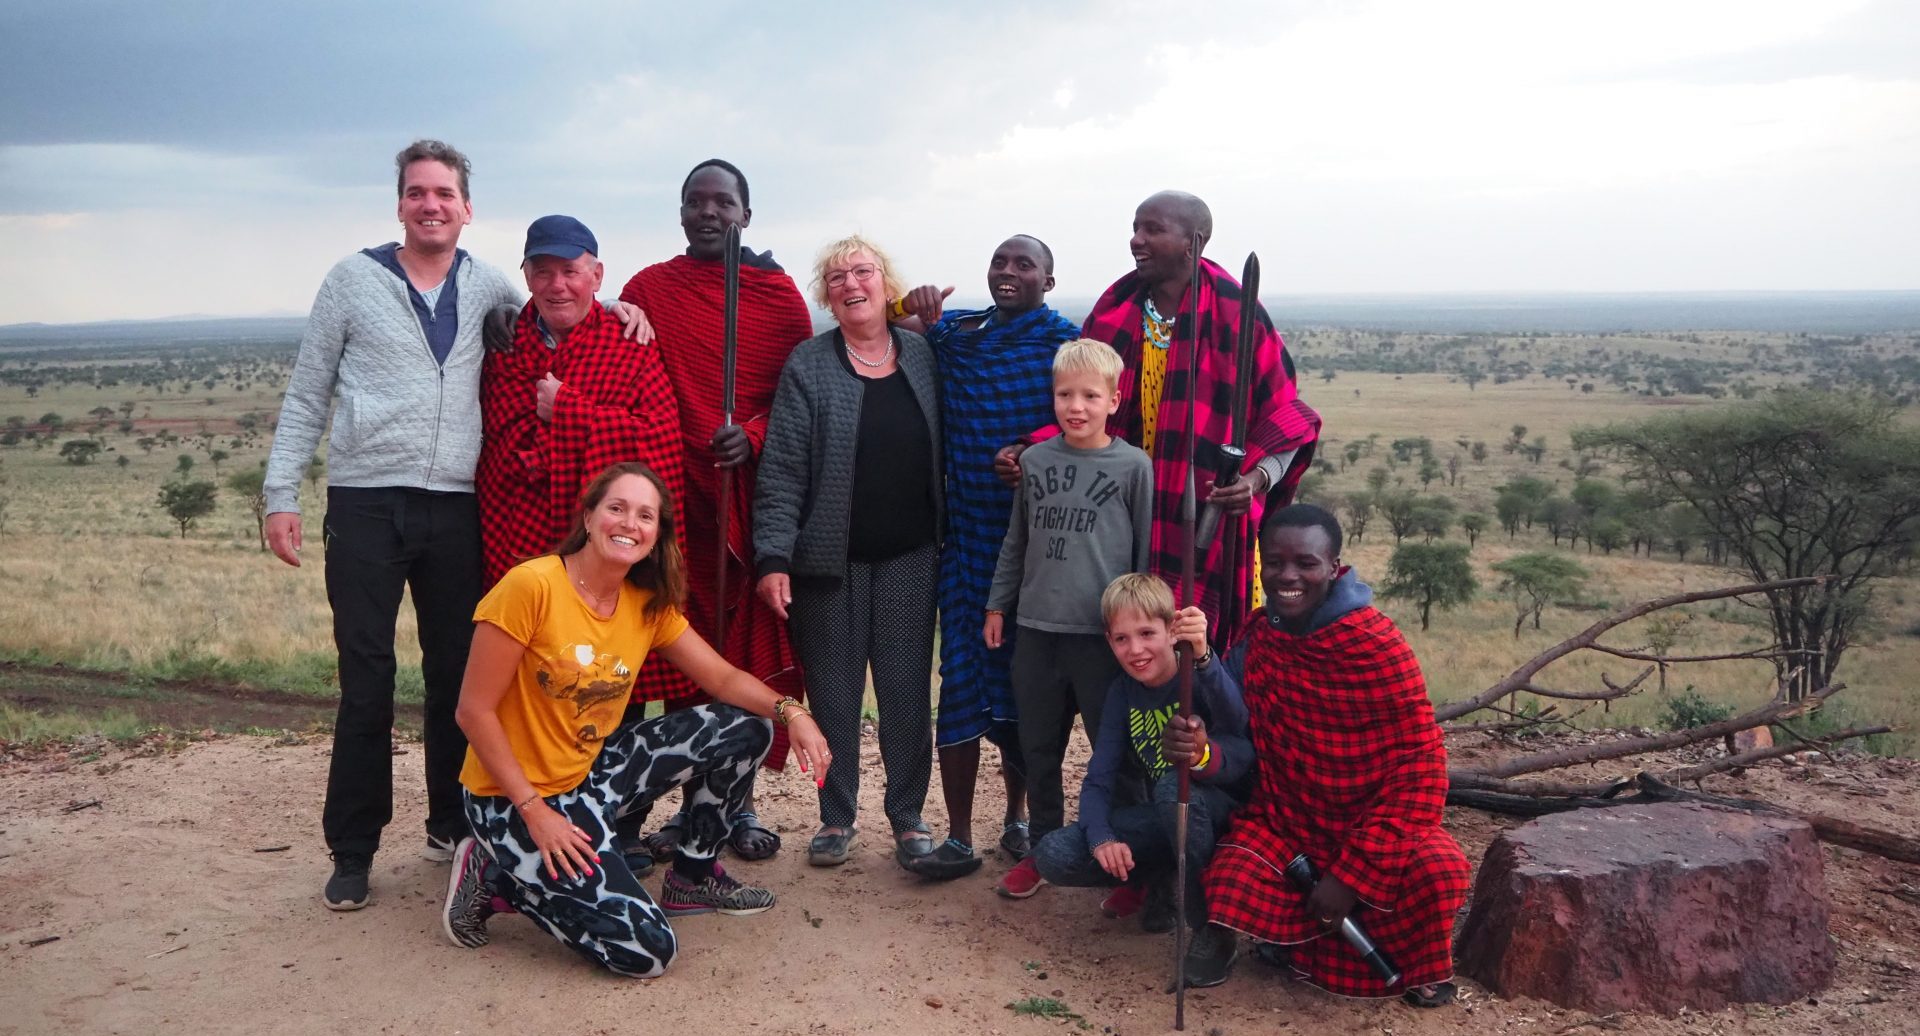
<point x="874" y="364"/>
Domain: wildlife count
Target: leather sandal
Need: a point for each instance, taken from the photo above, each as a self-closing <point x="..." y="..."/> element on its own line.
<point x="831" y="850"/>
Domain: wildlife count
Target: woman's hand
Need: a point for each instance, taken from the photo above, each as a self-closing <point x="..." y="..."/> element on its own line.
<point x="1114" y="858"/>
<point x="993" y="631"/>
<point x="777" y="590"/>
<point x="563" y="847"/>
<point x="633" y="320"/>
<point x="809" y="745"/>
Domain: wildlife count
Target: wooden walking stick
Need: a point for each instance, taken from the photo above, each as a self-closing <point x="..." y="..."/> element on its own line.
<point x="1186" y="596"/>
<point x="730" y="360"/>
<point x="1234" y="454"/>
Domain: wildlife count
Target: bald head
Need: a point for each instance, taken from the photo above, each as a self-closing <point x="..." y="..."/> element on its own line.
<point x="1189" y="210"/>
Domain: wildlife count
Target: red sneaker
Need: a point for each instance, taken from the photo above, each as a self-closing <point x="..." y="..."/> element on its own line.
<point x="1124" y="900"/>
<point x="1022" y="881"/>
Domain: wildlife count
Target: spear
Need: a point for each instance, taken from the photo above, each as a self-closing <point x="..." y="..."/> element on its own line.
<point x="1234" y="454"/>
<point x="730" y="359"/>
<point x="1188" y="596"/>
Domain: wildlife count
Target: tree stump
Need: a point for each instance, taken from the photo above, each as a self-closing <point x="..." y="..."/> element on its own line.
<point x="1651" y="908"/>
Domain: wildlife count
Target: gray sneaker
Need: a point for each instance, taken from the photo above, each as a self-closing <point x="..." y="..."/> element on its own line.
<point x="721" y="893"/>
<point x="469" y="900"/>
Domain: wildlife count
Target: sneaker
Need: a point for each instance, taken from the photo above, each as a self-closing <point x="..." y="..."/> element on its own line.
<point x="1022" y="881"/>
<point x="470" y="901"/>
<point x="1156" y="912"/>
<point x="1210" y="958"/>
<point x="347" y="889"/>
<point x="1124" y="900"/>
<point x="721" y="893"/>
<point x="439" y="848"/>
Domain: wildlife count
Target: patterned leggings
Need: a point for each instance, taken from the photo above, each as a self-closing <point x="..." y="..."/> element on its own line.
<point x="606" y="916"/>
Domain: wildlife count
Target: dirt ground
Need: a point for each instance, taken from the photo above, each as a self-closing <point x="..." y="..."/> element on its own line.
<point x="187" y="900"/>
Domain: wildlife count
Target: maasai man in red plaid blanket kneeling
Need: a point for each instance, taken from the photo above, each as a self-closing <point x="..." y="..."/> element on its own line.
<point x="1352" y="775"/>
<point x="571" y="396"/>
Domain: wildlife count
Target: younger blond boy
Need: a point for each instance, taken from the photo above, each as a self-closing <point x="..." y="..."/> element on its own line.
<point x="1082" y="517"/>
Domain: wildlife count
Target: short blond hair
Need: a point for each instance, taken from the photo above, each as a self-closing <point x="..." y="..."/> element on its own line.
<point x="1137" y="591"/>
<point x="1087" y="354"/>
<point x="846" y="248"/>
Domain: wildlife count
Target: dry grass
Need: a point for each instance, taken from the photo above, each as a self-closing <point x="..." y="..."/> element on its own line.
<point x="92" y="572"/>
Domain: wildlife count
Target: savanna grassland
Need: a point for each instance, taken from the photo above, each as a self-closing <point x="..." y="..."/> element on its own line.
<point x="94" y="573"/>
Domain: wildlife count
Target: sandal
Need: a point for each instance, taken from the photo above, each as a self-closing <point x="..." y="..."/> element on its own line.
<point x="912" y="845"/>
<point x="953" y="859"/>
<point x="751" y="840"/>
<point x="1438" y="994"/>
<point x="1016" y="839"/>
<point x="639" y="860"/>
<point x="664" y="843"/>
<point x="831" y="850"/>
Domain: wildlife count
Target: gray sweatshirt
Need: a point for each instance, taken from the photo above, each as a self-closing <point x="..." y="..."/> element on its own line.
<point x="1081" y="519"/>
<point x="403" y="419"/>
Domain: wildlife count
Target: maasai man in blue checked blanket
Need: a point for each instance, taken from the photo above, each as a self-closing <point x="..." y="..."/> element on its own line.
<point x="996" y="383"/>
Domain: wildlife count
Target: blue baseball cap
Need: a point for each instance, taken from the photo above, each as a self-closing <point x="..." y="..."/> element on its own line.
<point x="561" y="236"/>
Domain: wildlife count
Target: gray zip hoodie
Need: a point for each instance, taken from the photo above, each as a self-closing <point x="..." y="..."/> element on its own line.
<point x="403" y="419"/>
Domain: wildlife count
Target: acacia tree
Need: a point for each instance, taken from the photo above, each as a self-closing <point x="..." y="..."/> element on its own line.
<point x="251" y="485"/>
<point x="187" y="502"/>
<point x="1534" y="580"/>
<point x="1804" y="484"/>
<point x="79" y="451"/>
<point x="1430" y="574"/>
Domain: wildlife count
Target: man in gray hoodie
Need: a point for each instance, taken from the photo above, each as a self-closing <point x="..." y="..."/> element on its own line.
<point x="394" y="341"/>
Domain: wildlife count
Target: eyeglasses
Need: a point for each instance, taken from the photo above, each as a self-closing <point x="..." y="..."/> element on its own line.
<point x="864" y="272"/>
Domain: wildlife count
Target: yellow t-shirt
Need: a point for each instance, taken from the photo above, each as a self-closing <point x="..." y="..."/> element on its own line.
<point x="573" y="682"/>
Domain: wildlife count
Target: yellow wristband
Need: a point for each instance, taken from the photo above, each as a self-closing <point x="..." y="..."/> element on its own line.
<point x="897" y="309"/>
<point x="1206" y="756"/>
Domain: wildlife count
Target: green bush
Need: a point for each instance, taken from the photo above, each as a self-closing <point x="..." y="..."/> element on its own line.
<point x="1688" y="709"/>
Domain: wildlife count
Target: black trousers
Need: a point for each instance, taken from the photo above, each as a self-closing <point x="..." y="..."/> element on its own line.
<point x="379" y="542"/>
<point x="1055" y="676"/>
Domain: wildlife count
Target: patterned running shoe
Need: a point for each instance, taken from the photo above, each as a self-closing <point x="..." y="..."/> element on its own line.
<point x="469" y="898"/>
<point x="721" y="893"/>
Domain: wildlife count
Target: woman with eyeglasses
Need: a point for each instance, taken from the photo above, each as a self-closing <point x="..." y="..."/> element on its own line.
<point x="846" y="529"/>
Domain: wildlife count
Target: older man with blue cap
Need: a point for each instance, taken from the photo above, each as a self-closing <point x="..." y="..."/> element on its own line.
<point x="570" y="397"/>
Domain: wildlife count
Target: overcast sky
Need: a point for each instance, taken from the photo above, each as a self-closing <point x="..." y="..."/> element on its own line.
<point x="202" y="156"/>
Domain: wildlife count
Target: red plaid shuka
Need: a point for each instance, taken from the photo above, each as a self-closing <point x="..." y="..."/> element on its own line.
<point x="1277" y="422"/>
<point x="685" y="300"/>
<point x="1353" y="772"/>
<point x="614" y="405"/>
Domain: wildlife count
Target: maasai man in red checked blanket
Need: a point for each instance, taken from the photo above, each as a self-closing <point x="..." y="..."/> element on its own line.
<point x="569" y="398"/>
<point x="1352" y="773"/>
<point x="1158" y="409"/>
<point x="685" y="300"/>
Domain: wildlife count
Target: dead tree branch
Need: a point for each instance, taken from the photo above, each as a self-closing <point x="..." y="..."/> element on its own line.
<point x="1748" y="758"/>
<point x="1519" y="679"/>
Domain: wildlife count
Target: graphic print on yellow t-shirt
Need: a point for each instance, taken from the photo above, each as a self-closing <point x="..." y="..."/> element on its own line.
<point x="586" y="679"/>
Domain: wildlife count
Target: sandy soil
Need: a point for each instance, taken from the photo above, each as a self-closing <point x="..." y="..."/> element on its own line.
<point x="170" y="918"/>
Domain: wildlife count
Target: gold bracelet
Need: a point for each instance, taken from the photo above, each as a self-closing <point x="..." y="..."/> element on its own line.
<point x="785" y="705"/>
<point x="521" y="807"/>
<point x="1206" y="756"/>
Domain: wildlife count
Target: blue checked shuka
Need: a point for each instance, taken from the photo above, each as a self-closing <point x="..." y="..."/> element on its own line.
<point x="996" y="385"/>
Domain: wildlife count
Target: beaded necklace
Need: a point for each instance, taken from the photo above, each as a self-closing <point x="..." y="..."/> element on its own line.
<point x="1159" y="329"/>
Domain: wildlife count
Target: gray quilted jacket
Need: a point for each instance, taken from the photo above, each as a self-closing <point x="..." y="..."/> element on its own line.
<point x="402" y="419"/>
<point x="803" y="502"/>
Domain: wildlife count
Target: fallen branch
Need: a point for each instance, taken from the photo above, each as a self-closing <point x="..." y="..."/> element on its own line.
<point x="1830" y="829"/>
<point x="1469" y="780"/>
<point x="1642" y="656"/>
<point x="1748" y="758"/>
<point x="1521" y="677"/>
<point x="1594" y="753"/>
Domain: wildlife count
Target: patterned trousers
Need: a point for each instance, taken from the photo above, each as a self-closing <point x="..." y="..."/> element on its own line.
<point x="606" y="916"/>
<point x="880" y="614"/>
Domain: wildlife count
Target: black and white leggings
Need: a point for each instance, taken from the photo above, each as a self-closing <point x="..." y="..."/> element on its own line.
<point x="607" y="916"/>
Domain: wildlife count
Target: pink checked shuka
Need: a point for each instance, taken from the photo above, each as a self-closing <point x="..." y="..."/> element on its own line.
<point x="1277" y="422"/>
<point x="614" y="406"/>
<point x="1352" y="772"/>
